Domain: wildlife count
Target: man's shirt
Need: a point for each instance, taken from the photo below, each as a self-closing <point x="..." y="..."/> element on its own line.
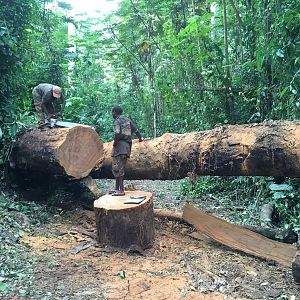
<point x="45" y="91"/>
<point x="125" y="128"/>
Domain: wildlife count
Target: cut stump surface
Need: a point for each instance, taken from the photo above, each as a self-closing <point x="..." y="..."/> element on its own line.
<point x="123" y="225"/>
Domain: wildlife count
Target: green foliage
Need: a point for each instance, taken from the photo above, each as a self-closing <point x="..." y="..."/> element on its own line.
<point x="287" y="205"/>
<point x="165" y="63"/>
<point x="207" y="184"/>
<point x="32" y="50"/>
<point x="15" y="265"/>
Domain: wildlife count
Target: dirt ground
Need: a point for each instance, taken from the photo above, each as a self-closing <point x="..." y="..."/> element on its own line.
<point x="176" y="267"/>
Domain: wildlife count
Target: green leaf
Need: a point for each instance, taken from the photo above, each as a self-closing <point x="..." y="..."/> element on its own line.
<point x="122" y="274"/>
<point x="282" y="93"/>
<point x="3" y="286"/>
<point x="1" y="133"/>
<point x="280" y="53"/>
<point x="22" y="292"/>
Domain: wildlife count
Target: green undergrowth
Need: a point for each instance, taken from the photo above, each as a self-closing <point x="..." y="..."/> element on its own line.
<point x="239" y="199"/>
<point x="17" y="218"/>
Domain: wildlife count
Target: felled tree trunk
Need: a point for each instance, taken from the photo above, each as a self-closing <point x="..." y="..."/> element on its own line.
<point x="268" y="149"/>
<point x="124" y="225"/>
<point x="70" y="152"/>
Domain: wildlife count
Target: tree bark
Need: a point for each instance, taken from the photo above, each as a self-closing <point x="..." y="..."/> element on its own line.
<point x="168" y="214"/>
<point x="268" y="149"/>
<point x="296" y="267"/>
<point x="71" y="152"/>
<point x="124" y="225"/>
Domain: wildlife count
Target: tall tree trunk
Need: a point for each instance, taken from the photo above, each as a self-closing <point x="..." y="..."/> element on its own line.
<point x="268" y="97"/>
<point x="152" y="90"/>
<point x="229" y="101"/>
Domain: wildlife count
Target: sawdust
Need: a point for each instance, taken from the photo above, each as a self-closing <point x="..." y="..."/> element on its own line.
<point x="176" y="267"/>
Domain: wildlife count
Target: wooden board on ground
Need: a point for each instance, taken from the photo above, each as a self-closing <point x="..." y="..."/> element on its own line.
<point x="123" y="225"/>
<point x="237" y="237"/>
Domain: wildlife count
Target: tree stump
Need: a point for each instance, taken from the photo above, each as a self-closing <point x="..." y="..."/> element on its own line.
<point x="296" y="267"/>
<point x="123" y="225"/>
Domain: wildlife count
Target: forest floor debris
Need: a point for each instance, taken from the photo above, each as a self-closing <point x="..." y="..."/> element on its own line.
<point x="178" y="266"/>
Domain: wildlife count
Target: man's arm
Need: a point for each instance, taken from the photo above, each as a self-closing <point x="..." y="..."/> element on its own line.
<point x="135" y="130"/>
<point x="139" y="136"/>
<point x="44" y="108"/>
<point x="117" y="131"/>
<point x="63" y="103"/>
<point x="117" y="138"/>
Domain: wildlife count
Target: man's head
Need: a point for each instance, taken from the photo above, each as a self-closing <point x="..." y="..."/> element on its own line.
<point x="56" y="91"/>
<point x="116" y="111"/>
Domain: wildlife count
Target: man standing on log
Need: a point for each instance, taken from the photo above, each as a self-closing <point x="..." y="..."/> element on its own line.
<point x="44" y="96"/>
<point x="123" y="129"/>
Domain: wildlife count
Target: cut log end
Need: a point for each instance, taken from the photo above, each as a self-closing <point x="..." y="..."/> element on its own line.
<point x="71" y="152"/>
<point x="123" y="225"/>
<point x="79" y="152"/>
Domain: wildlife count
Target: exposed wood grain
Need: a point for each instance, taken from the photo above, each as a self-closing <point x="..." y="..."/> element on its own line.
<point x="237" y="237"/>
<point x="71" y="152"/>
<point x="123" y="225"/>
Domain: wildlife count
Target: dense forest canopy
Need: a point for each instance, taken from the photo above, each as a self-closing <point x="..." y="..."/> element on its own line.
<point x="174" y="66"/>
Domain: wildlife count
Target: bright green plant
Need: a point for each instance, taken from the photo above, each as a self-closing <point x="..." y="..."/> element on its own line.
<point x="287" y="205"/>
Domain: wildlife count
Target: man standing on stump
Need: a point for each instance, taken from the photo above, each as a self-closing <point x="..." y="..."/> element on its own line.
<point x="44" y="96"/>
<point x="123" y="129"/>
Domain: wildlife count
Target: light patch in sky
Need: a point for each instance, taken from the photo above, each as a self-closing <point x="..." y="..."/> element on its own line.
<point x="92" y="6"/>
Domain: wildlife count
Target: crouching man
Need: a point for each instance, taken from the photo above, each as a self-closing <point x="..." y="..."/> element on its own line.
<point x="44" y="95"/>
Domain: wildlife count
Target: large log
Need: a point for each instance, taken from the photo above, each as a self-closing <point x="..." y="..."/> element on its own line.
<point x="268" y="149"/>
<point x="71" y="152"/>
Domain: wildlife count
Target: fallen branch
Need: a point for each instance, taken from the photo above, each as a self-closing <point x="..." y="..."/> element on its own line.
<point x="168" y="214"/>
<point x="85" y="232"/>
<point x="82" y="246"/>
<point x="284" y="235"/>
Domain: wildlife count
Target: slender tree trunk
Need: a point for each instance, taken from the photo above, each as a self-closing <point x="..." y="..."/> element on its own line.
<point x="268" y="97"/>
<point x="229" y="102"/>
<point x="152" y="90"/>
<point x="251" y="32"/>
